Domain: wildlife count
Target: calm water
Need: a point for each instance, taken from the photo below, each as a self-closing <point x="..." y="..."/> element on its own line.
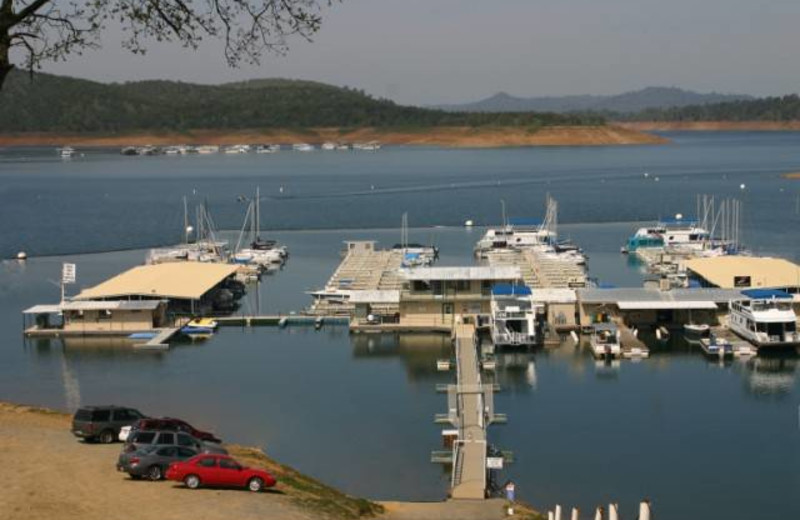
<point x="700" y="439"/>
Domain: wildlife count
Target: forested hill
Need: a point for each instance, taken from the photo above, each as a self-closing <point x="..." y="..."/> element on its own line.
<point x="786" y="108"/>
<point x="48" y="103"/>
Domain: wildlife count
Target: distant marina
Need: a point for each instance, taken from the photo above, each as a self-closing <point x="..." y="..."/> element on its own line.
<point x="235" y="149"/>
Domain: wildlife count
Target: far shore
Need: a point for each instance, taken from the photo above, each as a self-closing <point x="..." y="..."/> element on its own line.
<point x="456" y="137"/>
<point x="795" y="175"/>
<point x="709" y="126"/>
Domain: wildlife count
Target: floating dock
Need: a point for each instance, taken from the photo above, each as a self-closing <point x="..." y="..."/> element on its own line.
<point x="470" y="412"/>
<point x="160" y="341"/>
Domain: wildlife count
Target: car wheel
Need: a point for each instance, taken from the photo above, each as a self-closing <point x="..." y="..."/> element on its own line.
<point x="106" y="437"/>
<point x="192" y="481"/>
<point x="154" y="472"/>
<point x="255" y="484"/>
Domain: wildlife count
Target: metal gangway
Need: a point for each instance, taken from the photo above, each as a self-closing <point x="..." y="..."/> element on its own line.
<point x="470" y="406"/>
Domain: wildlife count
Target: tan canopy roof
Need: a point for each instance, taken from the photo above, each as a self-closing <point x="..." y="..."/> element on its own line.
<point x="176" y="280"/>
<point x="724" y="271"/>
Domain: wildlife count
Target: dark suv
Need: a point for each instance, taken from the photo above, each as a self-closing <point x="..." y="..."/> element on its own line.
<point x="141" y="438"/>
<point x="102" y="423"/>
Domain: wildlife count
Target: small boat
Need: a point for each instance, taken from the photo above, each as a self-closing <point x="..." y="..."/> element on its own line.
<point x="200" y="326"/>
<point x="329" y="146"/>
<point x="67" y="152"/>
<point x="303" y="147"/>
<point x="714" y="346"/>
<point x="696" y="329"/>
<point x="605" y="341"/>
<point x="128" y="150"/>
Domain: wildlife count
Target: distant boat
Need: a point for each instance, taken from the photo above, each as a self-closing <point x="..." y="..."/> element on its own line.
<point x="128" y="150"/>
<point x="697" y="329"/>
<point x="605" y="341"/>
<point x="67" y="152"/>
<point x="207" y="149"/>
<point x="237" y="149"/>
<point x="303" y="147"/>
<point x="329" y="146"/>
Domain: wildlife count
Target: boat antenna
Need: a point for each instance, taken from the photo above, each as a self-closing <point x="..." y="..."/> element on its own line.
<point x="503" y="212"/>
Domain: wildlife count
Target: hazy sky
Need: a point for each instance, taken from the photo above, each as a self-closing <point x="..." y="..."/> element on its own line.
<point x="431" y="51"/>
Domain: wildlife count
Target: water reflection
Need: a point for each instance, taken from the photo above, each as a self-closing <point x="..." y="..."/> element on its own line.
<point x="418" y="352"/>
<point x="771" y="375"/>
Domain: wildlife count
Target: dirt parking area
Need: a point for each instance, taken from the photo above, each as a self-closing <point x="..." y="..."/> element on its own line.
<point x="48" y="473"/>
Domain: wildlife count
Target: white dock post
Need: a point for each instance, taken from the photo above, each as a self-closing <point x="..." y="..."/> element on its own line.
<point x="558" y="512"/>
<point x="613" y="511"/>
<point x="575" y="513"/>
<point x="644" y="510"/>
<point x="598" y="513"/>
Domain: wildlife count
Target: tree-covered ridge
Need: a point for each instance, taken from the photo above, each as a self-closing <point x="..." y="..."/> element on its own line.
<point x="784" y="108"/>
<point x="48" y="103"/>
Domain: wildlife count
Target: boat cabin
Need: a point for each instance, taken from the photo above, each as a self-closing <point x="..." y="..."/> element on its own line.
<point x="765" y="317"/>
<point x="514" y="316"/>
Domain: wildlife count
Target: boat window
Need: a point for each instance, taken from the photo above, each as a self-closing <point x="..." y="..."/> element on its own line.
<point x="784" y="306"/>
<point x="462" y="285"/>
<point x="761" y="327"/>
<point x="791" y="326"/>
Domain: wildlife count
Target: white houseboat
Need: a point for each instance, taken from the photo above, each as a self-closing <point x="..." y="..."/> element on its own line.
<point x="765" y="318"/>
<point x="513" y="316"/>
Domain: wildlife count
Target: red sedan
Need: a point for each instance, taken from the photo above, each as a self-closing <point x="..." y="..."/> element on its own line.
<point x="218" y="470"/>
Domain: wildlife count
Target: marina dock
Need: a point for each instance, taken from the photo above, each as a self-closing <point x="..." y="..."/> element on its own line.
<point x="470" y="411"/>
<point x="160" y="341"/>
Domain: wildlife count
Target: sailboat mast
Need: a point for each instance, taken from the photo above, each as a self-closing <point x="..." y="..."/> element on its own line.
<point x="185" y="221"/>
<point x="258" y="211"/>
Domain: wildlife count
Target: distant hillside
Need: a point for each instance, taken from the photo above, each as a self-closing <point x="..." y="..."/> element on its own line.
<point x="51" y="103"/>
<point x="785" y="108"/>
<point x="650" y="97"/>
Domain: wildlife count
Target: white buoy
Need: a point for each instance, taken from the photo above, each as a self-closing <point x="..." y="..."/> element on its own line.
<point x="598" y="513"/>
<point x="656" y="179"/>
<point x="575" y="514"/>
<point x="280" y="189"/>
<point x="468" y="223"/>
<point x="646" y="175"/>
<point x="22" y="255"/>
<point x="613" y="511"/>
<point x="644" y="510"/>
<point x="558" y="512"/>
<point x="742" y="186"/>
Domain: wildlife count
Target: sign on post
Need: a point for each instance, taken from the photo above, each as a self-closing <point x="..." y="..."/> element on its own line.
<point x="494" y="462"/>
<point x="68" y="273"/>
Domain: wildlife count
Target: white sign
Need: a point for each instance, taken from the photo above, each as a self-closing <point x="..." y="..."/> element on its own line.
<point x="68" y="273"/>
<point x="494" y="462"/>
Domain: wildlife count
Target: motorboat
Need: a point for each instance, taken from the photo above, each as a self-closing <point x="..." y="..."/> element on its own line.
<point x="605" y="342"/>
<point x="696" y="329"/>
<point x="200" y="326"/>
<point x="716" y="346"/>
<point x="303" y="147"/>
<point x="765" y="318"/>
<point x="66" y="152"/>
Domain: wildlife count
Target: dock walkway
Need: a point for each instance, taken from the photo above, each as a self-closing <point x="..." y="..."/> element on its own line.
<point x="160" y="341"/>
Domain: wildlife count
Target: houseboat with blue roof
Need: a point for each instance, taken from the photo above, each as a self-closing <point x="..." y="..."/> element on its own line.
<point x="765" y="318"/>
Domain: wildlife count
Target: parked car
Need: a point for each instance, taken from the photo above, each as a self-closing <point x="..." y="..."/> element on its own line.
<point x="141" y="438"/>
<point x="152" y="461"/>
<point x="218" y="471"/>
<point x="167" y="424"/>
<point x="102" y="423"/>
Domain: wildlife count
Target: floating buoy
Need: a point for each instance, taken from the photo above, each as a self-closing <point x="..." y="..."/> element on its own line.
<point x="646" y="175"/>
<point x="742" y="186"/>
<point x="468" y="223"/>
<point x="656" y="179"/>
<point x="678" y="216"/>
<point x="22" y="255"/>
<point x="281" y="189"/>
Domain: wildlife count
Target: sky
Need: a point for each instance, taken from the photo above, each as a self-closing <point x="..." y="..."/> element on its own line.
<point x="450" y="51"/>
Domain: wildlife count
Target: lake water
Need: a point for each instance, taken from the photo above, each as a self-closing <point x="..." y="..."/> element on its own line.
<point x="702" y="440"/>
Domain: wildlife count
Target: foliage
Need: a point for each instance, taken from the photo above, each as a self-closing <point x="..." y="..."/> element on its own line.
<point x="50" y="30"/>
<point x="785" y="108"/>
<point x="48" y="103"/>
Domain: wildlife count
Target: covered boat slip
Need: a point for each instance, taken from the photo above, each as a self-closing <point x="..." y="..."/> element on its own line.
<point x="146" y="298"/>
<point x="95" y="318"/>
<point x="645" y="306"/>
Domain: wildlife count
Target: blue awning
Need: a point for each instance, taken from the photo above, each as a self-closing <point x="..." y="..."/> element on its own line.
<point x="766" y="294"/>
<point x="504" y="289"/>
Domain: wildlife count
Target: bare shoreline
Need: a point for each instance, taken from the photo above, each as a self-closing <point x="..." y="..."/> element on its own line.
<point x="457" y="137"/>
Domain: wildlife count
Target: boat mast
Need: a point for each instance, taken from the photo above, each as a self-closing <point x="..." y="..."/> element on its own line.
<point x="258" y="211"/>
<point x="185" y="221"/>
